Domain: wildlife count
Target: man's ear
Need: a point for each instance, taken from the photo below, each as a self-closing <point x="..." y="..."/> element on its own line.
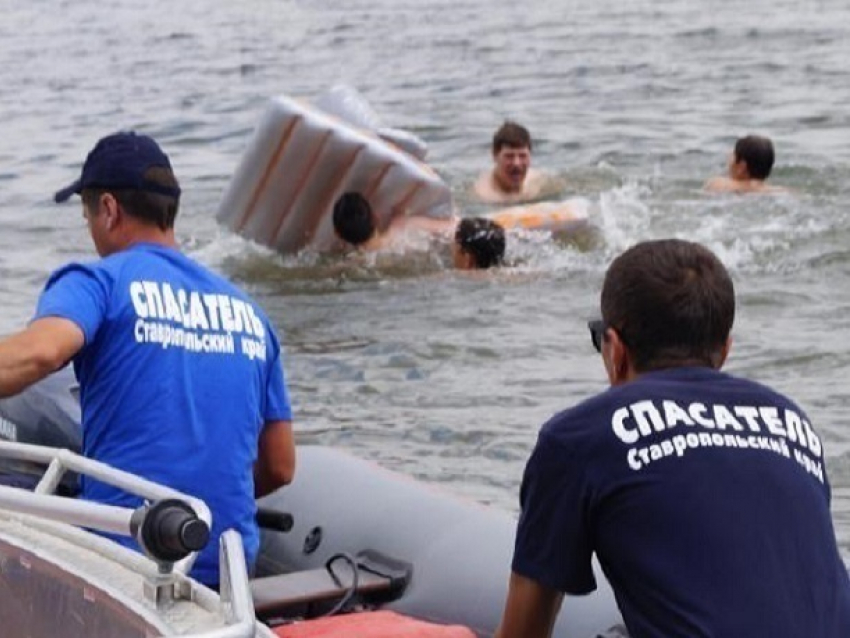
<point x="741" y="170"/>
<point x="464" y="260"/>
<point x="724" y="352"/>
<point x="112" y="210"/>
<point x="618" y="362"/>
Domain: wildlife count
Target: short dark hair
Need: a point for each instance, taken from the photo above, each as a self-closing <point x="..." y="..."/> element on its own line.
<point x="511" y="134"/>
<point x="671" y="301"/>
<point x="482" y="238"/>
<point x="757" y="154"/>
<point x="353" y="218"/>
<point x="145" y="205"/>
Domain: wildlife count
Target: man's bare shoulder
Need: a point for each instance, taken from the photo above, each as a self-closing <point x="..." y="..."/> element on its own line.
<point x="721" y="185"/>
<point x="485" y="189"/>
<point x="729" y="185"/>
<point x="541" y="184"/>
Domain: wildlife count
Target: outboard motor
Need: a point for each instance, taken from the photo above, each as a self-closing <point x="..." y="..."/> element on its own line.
<point x="47" y="413"/>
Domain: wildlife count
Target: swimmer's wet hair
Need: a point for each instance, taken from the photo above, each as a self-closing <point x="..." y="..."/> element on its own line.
<point x="353" y="219"/>
<point x="483" y="239"/>
<point x="511" y="134"/>
<point x="757" y="154"/>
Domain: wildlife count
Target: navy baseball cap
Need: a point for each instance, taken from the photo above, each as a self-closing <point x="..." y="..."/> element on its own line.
<point x="119" y="161"/>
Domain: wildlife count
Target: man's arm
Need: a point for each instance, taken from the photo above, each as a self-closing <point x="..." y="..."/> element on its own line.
<point x="275" y="464"/>
<point x="434" y="225"/>
<point x="530" y="609"/>
<point x="43" y="347"/>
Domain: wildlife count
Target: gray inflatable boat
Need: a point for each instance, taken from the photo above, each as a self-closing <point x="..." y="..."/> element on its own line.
<point x="348" y="534"/>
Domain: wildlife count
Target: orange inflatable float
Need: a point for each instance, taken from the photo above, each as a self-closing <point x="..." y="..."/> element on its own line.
<point x="556" y="217"/>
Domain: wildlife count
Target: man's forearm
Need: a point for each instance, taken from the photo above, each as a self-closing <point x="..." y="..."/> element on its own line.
<point x="275" y="465"/>
<point x="21" y="367"/>
<point x="530" y="609"/>
<point x="32" y="354"/>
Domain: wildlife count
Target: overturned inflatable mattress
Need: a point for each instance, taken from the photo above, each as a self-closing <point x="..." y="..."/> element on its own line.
<point x="302" y="157"/>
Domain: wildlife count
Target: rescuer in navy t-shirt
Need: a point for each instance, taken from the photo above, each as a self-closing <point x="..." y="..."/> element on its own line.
<point x="181" y="379"/>
<point x="704" y="496"/>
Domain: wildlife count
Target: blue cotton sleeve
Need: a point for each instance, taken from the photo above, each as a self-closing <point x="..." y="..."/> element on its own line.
<point x="277" y="403"/>
<point x="78" y="293"/>
<point x="553" y="543"/>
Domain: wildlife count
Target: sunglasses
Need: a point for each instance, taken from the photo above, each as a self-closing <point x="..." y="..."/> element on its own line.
<point x="597" y="329"/>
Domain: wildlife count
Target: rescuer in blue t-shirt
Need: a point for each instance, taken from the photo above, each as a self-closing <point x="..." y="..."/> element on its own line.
<point x="181" y="379"/>
<point x="704" y="497"/>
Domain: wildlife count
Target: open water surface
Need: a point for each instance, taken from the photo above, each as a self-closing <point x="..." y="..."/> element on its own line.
<point x="431" y="372"/>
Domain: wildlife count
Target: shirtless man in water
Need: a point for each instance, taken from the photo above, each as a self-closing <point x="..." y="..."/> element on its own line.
<point x="512" y="180"/>
<point x="749" y="166"/>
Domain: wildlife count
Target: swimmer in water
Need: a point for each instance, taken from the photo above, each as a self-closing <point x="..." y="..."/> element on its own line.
<point x="749" y="167"/>
<point x="477" y="243"/>
<point x="512" y="180"/>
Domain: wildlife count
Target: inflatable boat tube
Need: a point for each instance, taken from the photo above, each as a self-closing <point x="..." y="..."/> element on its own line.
<point x="458" y="551"/>
<point x="301" y="159"/>
<point x="47" y="413"/>
<point x="563" y="217"/>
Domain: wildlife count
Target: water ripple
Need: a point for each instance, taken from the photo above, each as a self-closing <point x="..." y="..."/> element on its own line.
<point x="430" y="372"/>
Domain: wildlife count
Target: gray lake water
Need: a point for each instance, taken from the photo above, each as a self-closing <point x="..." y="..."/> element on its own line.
<point x="427" y="371"/>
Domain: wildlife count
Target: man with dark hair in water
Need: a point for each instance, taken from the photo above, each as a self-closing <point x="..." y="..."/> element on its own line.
<point x="478" y="243"/>
<point x="749" y="167"/>
<point x="354" y="221"/>
<point x="512" y="180"/>
<point x="703" y="496"/>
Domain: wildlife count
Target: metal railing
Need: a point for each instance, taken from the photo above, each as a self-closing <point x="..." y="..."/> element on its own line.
<point x="235" y="596"/>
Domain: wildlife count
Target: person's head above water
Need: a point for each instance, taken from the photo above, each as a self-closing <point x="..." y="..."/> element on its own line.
<point x="511" y="134"/>
<point x="511" y="156"/>
<point x="354" y="221"/>
<point x="478" y="243"/>
<point x="747" y="169"/>
<point x="752" y="158"/>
